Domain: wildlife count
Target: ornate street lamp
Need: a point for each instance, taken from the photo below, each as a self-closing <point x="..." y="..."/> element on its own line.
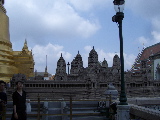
<point x="119" y="7"/>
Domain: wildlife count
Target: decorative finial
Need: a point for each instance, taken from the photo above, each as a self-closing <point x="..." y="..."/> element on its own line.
<point x="46" y="60"/>
<point x="61" y="54"/>
<point x="78" y="51"/>
<point x="104" y="58"/>
<point x="144" y="46"/>
<point x="25" y="41"/>
<point x="93" y="47"/>
<point x="25" y="47"/>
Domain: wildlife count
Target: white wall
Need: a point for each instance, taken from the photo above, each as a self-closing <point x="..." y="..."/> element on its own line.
<point x="156" y="62"/>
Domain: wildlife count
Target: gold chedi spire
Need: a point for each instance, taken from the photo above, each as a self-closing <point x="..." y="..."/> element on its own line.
<point x="7" y="64"/>
<point x="25" y="47"/>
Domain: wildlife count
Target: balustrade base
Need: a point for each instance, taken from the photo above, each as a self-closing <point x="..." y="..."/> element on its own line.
<point x="123" y="112"/>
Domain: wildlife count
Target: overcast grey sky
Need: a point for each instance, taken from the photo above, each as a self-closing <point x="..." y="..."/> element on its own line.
<point x="52" y="27"/>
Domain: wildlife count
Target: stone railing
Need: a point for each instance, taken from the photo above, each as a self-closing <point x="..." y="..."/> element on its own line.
<point x="144" y="113"/>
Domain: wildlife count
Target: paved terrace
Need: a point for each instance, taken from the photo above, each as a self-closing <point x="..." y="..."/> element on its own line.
<point x="139" y="108"/>
<point x="144" y="113"/>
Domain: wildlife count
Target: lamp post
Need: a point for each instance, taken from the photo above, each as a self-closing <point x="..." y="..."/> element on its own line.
<point x="119" y="7"/>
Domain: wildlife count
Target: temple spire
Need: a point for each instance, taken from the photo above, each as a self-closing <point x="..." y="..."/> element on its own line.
<point x="46" y="60"/>
<point x="46" y="73"/>
<point x="46" y="64"/>
<point x="25" y="47"/>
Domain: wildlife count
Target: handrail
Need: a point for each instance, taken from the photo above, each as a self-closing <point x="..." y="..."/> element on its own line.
<point x="39" y="114"/>
<point x="77" y="114"/>
<point x="58" y="100"/>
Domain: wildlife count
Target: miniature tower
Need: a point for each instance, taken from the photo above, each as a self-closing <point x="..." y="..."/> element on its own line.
<point x="93" y="58"/>
<point x="104" y="63"/>
<point x="61" y="70"/>
<point x="76" y="64"/>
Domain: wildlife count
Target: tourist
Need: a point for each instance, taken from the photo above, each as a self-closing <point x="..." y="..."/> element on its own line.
<point x="3" y="98"/>
<point x="19" y="102"/>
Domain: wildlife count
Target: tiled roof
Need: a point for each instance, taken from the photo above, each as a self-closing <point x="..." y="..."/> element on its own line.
<point x="145" y="54"/>
<point x="149" y="51"/>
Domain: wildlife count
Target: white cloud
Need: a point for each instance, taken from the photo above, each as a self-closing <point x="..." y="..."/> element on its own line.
<point x="156" y="29"/>
<point x="87" y="5"/>
<point x="156" y="36"/>
<point x="53" y="53"/>
<point x="149" y="11"/>
<point x="128" y="61"/>
<point x="144" y="8"/>
<point x="57" y="18"/>
<point x="156" y="23"/>
<point x="142" y="40"/>
<point x="88" y="48"/>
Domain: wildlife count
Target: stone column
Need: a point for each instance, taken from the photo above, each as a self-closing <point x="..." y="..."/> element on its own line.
<point x="123" y="112"/>
<point x="45" y="110"/>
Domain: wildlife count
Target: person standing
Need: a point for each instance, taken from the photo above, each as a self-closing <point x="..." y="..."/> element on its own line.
<point x="3" y="98"/>
<point x="19" y="103"/>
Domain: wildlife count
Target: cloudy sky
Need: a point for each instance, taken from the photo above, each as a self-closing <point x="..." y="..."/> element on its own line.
<point x="52" y="27"/>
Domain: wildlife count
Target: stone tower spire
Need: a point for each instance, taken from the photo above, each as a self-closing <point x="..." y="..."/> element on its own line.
<point x="61" y="69"/>
<point x="104" y="63"/>
<point x="93" y="58"/>
<point x="116" y="60"/>
<point x="7" y="64"/>
<point x="76" y="64"/>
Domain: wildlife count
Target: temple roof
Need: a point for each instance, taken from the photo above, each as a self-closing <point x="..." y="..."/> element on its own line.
<point x="151" y="50"/>
<point x="19" y="52"/>
<point x="144" y="56"/>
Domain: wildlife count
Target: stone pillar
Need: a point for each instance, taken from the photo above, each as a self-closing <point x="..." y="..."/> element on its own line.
<point x="45" y="110"/>
<point x="123" y="112"/>
<point x="28" y="106"/>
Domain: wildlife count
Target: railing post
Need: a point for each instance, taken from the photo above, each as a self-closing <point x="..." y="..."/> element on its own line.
<point x="110" y="110"/>
<point x="110" y="98"/>
<point x="70" y="107"/>
<point x="4" y="113"/>
<point x="38" y="112"/>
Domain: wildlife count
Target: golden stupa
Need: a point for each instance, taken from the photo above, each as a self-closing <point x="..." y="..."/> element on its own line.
<point x="12" y="62"/>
